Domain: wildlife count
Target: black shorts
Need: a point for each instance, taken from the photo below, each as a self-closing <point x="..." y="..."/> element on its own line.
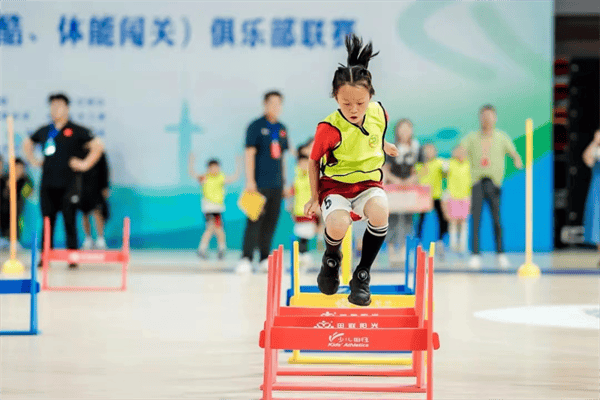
<point x="89" y="201"/>
<point x="216" y="218"/>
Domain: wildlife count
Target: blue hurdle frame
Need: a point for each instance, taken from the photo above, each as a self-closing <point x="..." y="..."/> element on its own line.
<point x="410" y="277"/>
<point x="25" y="286"/>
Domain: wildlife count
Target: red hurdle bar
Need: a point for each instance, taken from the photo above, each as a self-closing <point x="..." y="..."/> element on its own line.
<point x="86" y="256"/>
<point x="350" y="329"/>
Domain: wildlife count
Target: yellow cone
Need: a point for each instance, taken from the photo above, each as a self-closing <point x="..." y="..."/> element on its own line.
<point x="13" y="267"/>
<point x="529" y="270"/>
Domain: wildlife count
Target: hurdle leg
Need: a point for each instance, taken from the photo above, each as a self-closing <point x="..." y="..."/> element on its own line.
<point x="430" y="324"/>
<point x="45" y="253"/>
<point x="269" y="378"/>
<point x="33" y="316"/>
<point x="125" y="252"/>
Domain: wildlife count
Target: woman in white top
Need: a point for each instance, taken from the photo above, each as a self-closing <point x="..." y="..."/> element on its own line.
<point x="400" y="170"/>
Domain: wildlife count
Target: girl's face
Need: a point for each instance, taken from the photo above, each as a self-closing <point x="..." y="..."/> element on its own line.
<point x="353" y="102"/>
<point x="214" y="169"/>
<point x="430" y="152"/>
<point x="459" y="153"/>
<point x="404" y="133"/>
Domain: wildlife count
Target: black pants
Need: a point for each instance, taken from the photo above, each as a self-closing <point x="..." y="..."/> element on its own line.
<point x="442" y="223"/>
<point x="485" y="190"/>
<point x="53" y="201"/>
<point x="260" y="233"/>
<point x="302" y="245"/>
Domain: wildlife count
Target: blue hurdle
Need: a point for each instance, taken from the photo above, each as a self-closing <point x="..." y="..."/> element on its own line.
<point x="410" y="276"/>
<point x="25" y="286"/>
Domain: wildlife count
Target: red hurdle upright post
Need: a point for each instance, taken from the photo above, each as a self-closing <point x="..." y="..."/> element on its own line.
<point x="121" y="256"/>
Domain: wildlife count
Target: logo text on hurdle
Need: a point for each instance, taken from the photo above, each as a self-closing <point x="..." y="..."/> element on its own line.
<point x="339" y="339"/>
<point x="350" y="325"/>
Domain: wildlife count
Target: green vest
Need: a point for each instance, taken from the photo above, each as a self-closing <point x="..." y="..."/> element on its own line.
<point x="359" y="156"/>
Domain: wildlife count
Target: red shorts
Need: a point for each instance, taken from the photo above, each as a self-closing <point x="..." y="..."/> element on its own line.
<point x="216" y="218"/>
<point x="329" y="186"/>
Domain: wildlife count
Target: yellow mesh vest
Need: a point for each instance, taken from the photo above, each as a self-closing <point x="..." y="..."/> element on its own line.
<point x="459" y="179"/>
<point x="301" y="191"/>
<point x="359" y="156"/>
<point x="213" y="188"/>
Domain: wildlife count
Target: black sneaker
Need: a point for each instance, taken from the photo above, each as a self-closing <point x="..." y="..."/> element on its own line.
<point x="328" y="279"/>
<point x="221" y="255"/>
<point x="73" y="265"/>
<point x="360" y="294"/>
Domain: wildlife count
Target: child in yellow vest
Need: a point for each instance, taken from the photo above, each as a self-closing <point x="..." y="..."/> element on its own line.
<point x="431" y="173"/>
<point x="305" y="228"/>
<point x="458" y="198"/>
<point x="345" y="171"/>
<point x="213" y="203"/>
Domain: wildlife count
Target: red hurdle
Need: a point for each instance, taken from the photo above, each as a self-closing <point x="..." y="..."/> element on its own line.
<point x="350" y="329"/>
<point x="86" y="256"/>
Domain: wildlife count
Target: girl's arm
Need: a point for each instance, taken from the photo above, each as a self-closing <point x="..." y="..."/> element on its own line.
<point x="312" y="206"/>
<point x="191" y="171"/>
<point x="589" y="155"/>
<point x="236" y="176"/>
<point x="390" y="149"/>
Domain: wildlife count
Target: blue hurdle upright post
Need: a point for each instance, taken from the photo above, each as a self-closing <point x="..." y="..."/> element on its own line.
<point x="25" y="286"/>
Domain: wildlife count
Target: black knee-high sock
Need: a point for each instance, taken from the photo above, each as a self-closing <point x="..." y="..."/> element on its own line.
<point x="372" y="241"/>
<point x="332" y="246"/>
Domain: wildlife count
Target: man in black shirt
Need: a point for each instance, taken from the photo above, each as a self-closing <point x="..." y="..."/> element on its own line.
<point x="64" y="146"/>
<point x="266" y="143"/>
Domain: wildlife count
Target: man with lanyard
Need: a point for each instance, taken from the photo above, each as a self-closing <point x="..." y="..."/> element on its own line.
<point x="64" y="146"/>
<point x="486" y="152"/>
<point x="266" y="142"/>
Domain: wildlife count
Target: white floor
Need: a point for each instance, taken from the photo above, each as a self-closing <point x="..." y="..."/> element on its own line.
<point x="187" y="330"/>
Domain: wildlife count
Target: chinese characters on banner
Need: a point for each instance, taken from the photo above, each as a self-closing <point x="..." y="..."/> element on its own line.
<point x="279" y="32"/>
<point x="107" y="31"/>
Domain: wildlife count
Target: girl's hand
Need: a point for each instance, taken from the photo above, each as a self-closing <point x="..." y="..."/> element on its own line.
<point x="311" y="208"/>
<point x="390" y="149"/>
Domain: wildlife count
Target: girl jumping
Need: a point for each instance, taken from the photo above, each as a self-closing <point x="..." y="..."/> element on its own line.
<point x="345" y="170"/>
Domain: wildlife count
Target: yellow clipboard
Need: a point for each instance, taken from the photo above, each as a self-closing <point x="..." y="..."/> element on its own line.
<point x="252" y="204"/>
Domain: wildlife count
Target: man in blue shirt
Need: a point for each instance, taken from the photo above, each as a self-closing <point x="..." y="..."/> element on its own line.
<point x="266" y="142"/>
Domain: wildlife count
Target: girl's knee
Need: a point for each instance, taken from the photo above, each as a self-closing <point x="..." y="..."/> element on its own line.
<point x="376" y="210"/>
<point x="337" y="224"/>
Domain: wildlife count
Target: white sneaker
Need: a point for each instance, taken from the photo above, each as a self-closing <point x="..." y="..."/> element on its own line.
<point x="440" y="250"/>
<point x="88" y="243"/>
<point x="101" y="243"/>
<point x="244" y="267"/>
<point x="503" y="261"/>
<point x="264" y="266"/>
<point x="475" y="262"/>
